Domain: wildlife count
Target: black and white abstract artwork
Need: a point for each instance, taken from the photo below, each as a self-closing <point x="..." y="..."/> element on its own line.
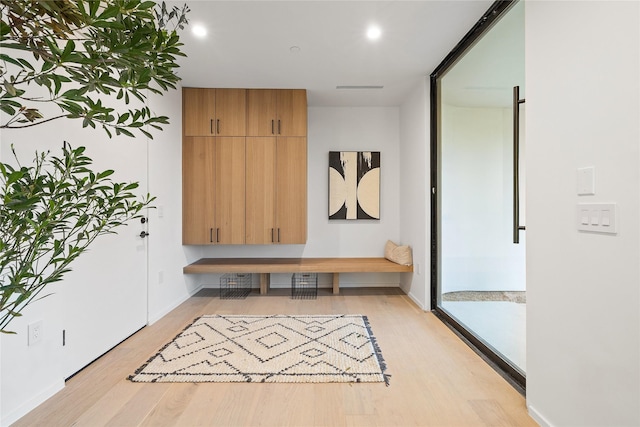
<point x="354" y="185"/>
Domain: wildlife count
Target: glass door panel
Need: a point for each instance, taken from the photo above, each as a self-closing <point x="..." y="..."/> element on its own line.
<point x="481" y="269"/>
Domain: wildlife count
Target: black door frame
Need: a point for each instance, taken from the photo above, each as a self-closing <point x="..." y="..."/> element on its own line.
<point x="491" y="16"/>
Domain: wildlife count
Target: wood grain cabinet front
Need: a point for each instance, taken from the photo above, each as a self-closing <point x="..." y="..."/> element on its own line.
<point x="276" y="112"/>
<point x="244" y="190"/>
<point x="213" y="175"/>
<point x="276" y="190"/>
<point x="214" y="112"/>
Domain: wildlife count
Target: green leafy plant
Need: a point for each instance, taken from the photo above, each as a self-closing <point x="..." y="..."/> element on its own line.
<point x="51" y="212"/>
<point x="79" y="50"/>
<point x="83" y="54"/>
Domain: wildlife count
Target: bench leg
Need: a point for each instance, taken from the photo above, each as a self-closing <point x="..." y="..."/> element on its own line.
<point x="336" y="283"/>
<point x="265" y="283"/>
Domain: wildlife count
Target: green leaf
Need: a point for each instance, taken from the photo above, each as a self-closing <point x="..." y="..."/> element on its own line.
<point x="4" y="29"/>
<point x="93" y="7"/>
<point x="7" y="58"/>
<point x="69" y="47"/>
<point x="105" y="174"/>
<point x="109" y="12"/>
<point x="11" y="90"/>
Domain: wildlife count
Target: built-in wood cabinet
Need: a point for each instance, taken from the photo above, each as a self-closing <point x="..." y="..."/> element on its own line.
<point x="291" y="190"/>
<point x="276" y="196"/>
<point x="276" y="112"/>
<point x="198" y="191"/>
<point x="239" y="190"/>
<point x="214" y="112"/>
<point x="212" y="175"/>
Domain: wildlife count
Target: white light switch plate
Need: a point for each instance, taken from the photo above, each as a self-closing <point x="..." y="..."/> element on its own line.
<point x="587" y="181"/>
<point x="597" y="217"/>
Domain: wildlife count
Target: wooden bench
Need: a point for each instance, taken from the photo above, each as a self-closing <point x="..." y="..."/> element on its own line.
<point x="266" y="266"/>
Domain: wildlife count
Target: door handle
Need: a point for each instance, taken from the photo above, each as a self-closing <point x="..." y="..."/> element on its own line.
<point x="143" y="234"/>
<point x="516" y="166"/>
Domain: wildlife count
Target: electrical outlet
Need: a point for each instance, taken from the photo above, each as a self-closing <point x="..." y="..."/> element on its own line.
<point x="34" y="332"/>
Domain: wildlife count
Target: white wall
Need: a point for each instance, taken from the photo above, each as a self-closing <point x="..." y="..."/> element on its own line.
<point x="414" y="191"/>
<point x="583" y="292"/>
<point x="339" y="129"/>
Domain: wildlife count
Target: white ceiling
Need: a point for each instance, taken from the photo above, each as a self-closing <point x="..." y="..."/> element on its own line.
<point x="248" y="45"/>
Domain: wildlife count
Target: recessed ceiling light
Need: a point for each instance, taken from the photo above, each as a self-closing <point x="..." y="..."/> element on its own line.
<point x="199" y="31"/>
<point x="374" y="32"/>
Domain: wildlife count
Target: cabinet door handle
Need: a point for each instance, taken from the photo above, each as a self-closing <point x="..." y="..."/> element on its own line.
<point x="218" y="126"/>
<point x="278" y="235"/>
<point x="279" y="127"/>
<point x="272" y="130"/>
<point x="272" y="235"/>
<point x="217" y="235"/>
<point x="211" y="235"/>
<point x="211" y="126"/>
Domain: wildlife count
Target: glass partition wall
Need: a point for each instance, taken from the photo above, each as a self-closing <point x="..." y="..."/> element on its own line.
<point x="478" y="175"/>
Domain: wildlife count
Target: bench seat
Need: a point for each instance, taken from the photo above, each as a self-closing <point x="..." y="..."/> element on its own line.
<point x="265" y="266"/>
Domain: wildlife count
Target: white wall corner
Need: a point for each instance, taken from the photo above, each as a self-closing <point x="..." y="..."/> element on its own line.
<point x="537" y="417"/>
<point x="154" y="317"/>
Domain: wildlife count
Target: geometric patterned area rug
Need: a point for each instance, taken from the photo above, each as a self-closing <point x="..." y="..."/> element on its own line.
<point x="276" y="348"/>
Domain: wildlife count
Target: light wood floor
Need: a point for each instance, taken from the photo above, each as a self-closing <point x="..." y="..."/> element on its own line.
<point x="436" y="380"/>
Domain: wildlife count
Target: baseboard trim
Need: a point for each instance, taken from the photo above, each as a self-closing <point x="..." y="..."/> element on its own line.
<point x="153" y="318"/>
<point x="31" y="404"/>
<point x="537" y="417"/>
<point x="417" y="301"/>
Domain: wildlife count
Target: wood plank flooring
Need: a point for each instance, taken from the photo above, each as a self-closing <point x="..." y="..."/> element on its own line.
<point x="436" y="380"/>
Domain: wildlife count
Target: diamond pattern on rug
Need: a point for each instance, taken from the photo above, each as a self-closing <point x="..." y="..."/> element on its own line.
<point x="278" y="348"/>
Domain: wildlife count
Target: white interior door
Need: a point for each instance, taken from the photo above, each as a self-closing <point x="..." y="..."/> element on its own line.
<point x="105" y="296"/>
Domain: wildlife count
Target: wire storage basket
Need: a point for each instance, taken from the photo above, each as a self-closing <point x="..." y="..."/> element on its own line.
<point x="235" y="285"/>
<point x="304" y="286"/>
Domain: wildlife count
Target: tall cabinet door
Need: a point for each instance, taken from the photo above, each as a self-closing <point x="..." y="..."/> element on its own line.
<point x="198" y="111"/>
<point x="198" y="165"/>
<point x="292" y="112"/>
<point x="230" y="186"/>
<point x="260" y="190"/>
<point x="291" y="190"/>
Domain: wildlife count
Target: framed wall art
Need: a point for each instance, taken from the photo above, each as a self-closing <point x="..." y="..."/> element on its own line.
<point x="354" y="185"/>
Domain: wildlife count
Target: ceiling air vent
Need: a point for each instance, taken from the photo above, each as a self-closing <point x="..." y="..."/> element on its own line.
<point x="359" y="87"/>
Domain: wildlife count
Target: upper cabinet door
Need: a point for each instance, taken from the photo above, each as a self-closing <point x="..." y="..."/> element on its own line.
<point x="231" y="112"/>
<point x="261" y="112"/>
<point x="214" y="112"/>
<point x="277" y="112"/>
<point x="291" y="118"/>
<point x="198" y="111"/>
